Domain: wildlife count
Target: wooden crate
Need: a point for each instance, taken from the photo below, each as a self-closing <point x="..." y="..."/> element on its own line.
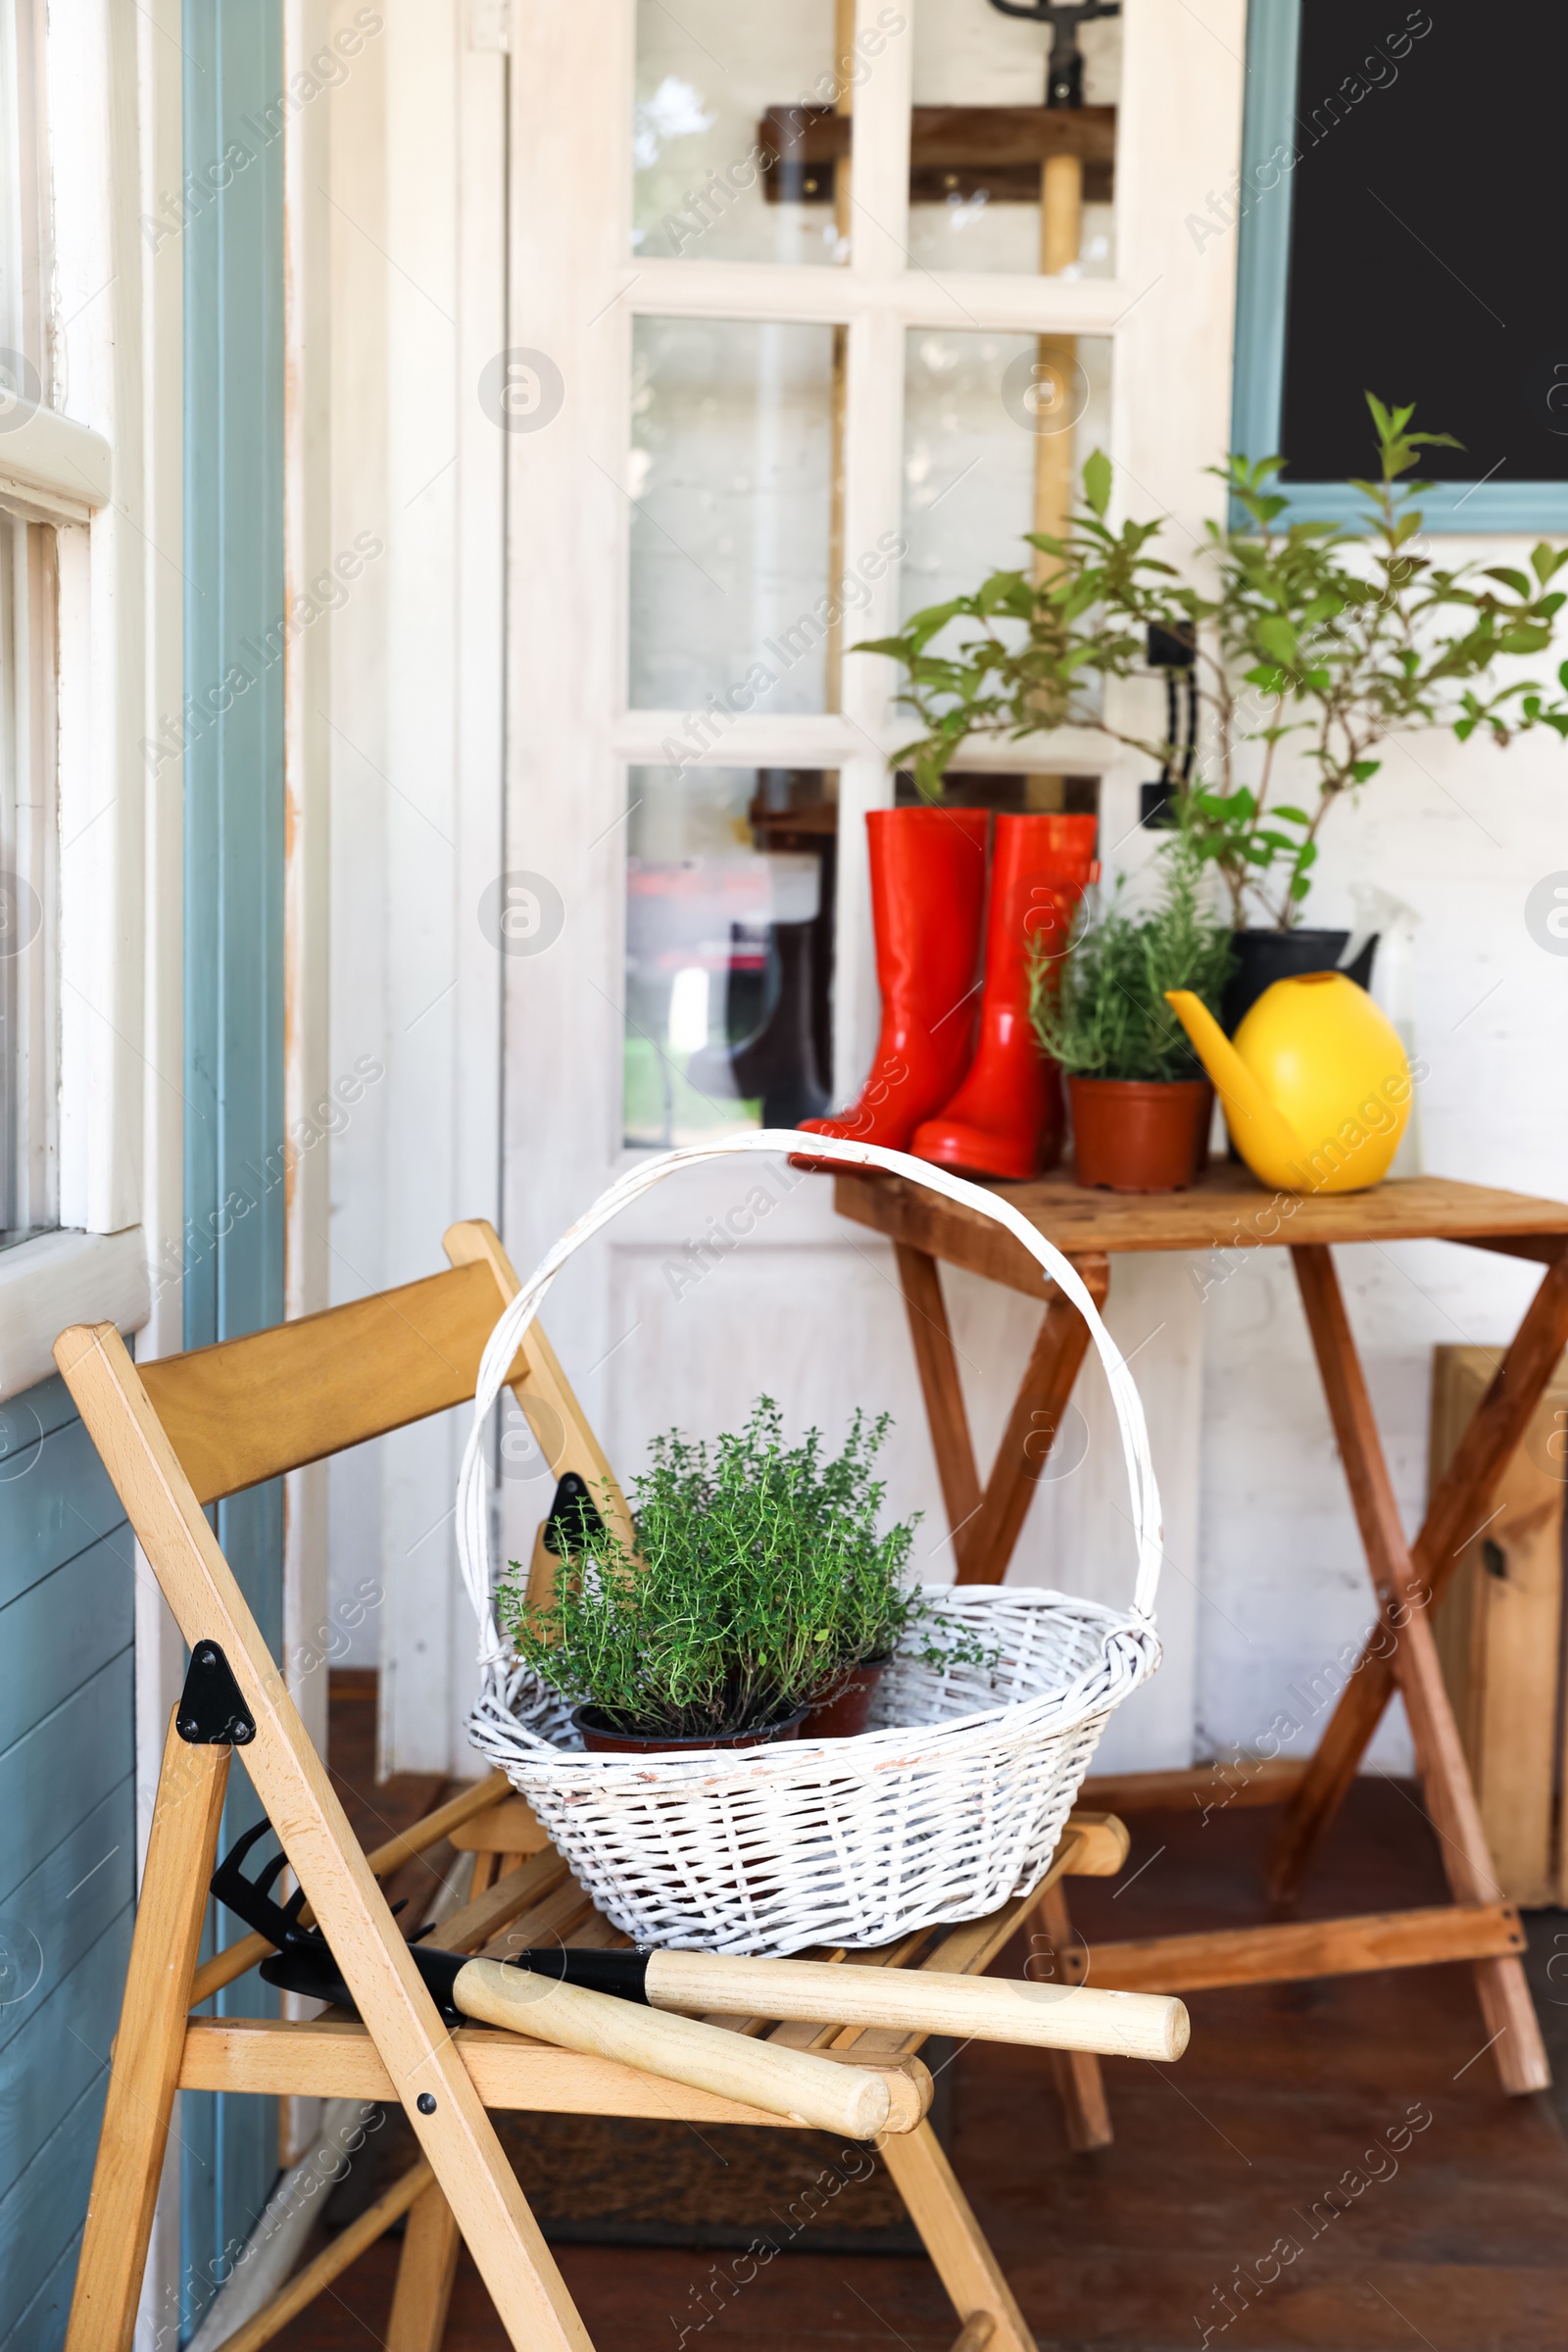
<point x="1499" y="1632"/>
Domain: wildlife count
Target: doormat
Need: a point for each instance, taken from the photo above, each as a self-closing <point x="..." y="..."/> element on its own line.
<point x="615" y="2180"/>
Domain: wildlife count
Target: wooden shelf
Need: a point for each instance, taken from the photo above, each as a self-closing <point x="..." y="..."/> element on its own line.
<point x="995" y="150"/>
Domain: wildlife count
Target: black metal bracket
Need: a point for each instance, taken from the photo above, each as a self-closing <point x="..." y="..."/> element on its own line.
<point x="212" y="1710"/>
<point x="1065" y="78"/>
<point x="1176" y="656"/>
<point x="574" y="1522"/>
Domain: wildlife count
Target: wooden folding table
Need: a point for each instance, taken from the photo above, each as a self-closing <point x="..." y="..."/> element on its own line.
<point x="1228" y="1211"/>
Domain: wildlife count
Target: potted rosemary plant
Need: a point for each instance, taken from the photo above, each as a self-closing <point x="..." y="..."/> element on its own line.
<point x="1139" y="1098"/>
<point x="1300" y="649"/>
<point x="761" y="1601"/>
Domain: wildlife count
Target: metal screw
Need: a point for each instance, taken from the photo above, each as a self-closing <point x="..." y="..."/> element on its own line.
<point x="426" y="2102"/>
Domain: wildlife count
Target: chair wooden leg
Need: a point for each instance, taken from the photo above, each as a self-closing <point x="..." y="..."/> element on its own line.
<point x="425" y="2270"/>
<point x="145" y="2071"/>
<point x="954" y="2241"/>
<point x="1080" y="2077"/>
<point x="1444" y="1775"/>
<point x="432" y="2082"/>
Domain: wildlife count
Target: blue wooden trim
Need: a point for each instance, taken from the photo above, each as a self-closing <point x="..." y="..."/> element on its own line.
<point x="1270" y="137"/>
<point x="233" y="772"/>
<point x="1264" y="246"/>
<point x="1532" y="508"/>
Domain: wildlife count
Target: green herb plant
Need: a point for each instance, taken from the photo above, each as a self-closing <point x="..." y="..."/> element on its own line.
<point x="1310" y="640"/>
<point x="1104" y="1014"/>
<point x="761" y="1580"/>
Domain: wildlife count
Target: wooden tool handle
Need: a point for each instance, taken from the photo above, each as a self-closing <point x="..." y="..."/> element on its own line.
<point x="1049" y="2016"/>
<point x="791" y="2082"/>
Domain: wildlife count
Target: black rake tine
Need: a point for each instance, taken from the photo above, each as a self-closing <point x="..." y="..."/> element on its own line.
<point x="268" y="1879"/>
<point x="247" y="1897"/>
<point x="239" y="1850"/>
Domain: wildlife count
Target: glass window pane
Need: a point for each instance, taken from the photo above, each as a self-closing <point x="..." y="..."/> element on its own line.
<point x="729" y="949"/>
<point x="997" y="429"/>
<point x="30" y="1011"/>
<point x="741" y="128"/>
<point x="984" y="145"/>
<point x="732" y="467"/>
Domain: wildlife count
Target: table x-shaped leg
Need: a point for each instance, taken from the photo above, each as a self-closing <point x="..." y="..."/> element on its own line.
<point x="1457" y="1512"/>
<point x="1405" y="1593"/>
<point x="986" y="1521"/>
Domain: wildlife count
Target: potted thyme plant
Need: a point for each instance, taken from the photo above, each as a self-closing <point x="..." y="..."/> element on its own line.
<point x="1139" y="1098"/>
<point x="762" y="1599"/>
<point x="1310" y="640"/>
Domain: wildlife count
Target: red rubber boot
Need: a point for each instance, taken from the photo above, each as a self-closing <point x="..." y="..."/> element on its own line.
<point x="928" y="886"/>
<point x="1006" y="1118"/>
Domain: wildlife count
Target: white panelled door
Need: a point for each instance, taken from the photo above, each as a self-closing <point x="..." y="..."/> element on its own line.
<point x="794" y="349"/>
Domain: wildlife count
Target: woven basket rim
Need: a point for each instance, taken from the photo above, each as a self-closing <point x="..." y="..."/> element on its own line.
<point x="1052" y="1712"/>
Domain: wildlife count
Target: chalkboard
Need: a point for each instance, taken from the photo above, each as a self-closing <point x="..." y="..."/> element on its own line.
<point x="1425" y="261"/>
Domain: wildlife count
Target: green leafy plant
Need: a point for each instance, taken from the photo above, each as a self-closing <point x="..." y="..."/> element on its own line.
<point x="759" y="1581"/>
<point x="1310" y="640"/>
<point x="1106" y="1015"/>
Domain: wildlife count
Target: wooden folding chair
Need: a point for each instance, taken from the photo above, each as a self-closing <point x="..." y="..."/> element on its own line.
<point x="182" y="1433"/>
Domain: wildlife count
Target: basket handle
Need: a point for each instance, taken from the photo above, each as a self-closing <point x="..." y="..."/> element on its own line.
<point x="473" y="1514"/>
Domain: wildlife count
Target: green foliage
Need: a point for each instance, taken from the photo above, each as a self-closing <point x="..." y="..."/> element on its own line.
<point x="760" y="1579"/>
<point x="1106" y="1017"/>
<point x="1321" y="639"/>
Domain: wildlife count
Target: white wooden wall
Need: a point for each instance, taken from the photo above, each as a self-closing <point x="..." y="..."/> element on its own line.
<point x="418" y="230"/>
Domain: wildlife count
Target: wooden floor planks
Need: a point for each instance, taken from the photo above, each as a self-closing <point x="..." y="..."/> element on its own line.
<point x="1457" y="2238"/>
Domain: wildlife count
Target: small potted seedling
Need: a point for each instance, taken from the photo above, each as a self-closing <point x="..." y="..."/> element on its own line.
<point x="1141" y="1104"/>
<point x="762" y="1602"/>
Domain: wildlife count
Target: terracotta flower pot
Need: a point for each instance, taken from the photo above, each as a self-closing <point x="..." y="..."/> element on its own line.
<point x="1133" y="1135"/>
<point x="843" y="1715"/>
<point x="601" y="1738"/>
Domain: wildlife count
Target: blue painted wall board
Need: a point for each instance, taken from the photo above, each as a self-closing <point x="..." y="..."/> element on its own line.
<point x="55" y="2186"/>
<point x="70" y="2022"/>
<point x="62" y="1503"/>
<point x="59" y="1770"/>
<point x="33" y="1414"/>
<point x="41" y="2326"/>
<point x="63" y="1629"/>
<point x="233" y="774"/>
<point x="68" y="1843"/>
<point x="58" y="1913"/>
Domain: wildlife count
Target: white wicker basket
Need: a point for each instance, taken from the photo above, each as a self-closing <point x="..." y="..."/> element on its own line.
<point x="952" y="1800"/>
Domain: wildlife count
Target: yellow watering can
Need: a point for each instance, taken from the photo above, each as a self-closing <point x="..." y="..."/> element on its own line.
<point x="1315" y="1084"/>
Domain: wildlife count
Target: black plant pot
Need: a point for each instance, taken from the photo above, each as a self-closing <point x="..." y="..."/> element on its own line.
<point x="1260" y="958"/>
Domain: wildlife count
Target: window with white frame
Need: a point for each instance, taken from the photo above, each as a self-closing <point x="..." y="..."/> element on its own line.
<point x="30" y="1011"/>
<point x="874" y="307"/>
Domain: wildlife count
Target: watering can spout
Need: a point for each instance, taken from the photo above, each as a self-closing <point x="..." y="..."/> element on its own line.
<point x="1256" y="1125"/>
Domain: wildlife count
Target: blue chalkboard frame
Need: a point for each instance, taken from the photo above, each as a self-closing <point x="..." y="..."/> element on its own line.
<point x="1270" y="126"/>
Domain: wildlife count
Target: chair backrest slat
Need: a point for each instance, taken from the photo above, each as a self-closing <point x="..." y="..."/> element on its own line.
<point x="248" y="1409"/>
